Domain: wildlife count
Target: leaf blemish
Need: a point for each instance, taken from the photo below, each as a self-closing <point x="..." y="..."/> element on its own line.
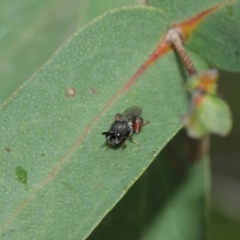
<point x="21" y="174"/>
<point x="67" y="186"/>
<point x="92" y="91"/>
<point x="229" y="10"/>
<point x="7" y="150"/>
<point x="70" y="92"/>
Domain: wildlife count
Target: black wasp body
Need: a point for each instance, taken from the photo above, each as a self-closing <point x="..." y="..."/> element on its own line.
<point x="124" y="126"/>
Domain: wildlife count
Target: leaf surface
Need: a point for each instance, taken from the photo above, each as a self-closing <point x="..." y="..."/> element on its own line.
<point x="217" y="38"/>
<point x="41" y="27"/>
<point x="51" y="128"/>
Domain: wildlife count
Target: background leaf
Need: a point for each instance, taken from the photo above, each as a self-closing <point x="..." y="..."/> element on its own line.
<point x="31" y="31"/>
<point x="92" y="9"/>
<point x="176" y="11"/>
<point x="217" y="38"/>
<point x="218" y="113"/>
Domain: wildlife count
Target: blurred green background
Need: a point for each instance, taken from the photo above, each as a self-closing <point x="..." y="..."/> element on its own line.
<point x="32" y="30"/>
<point x="225" y="166"/>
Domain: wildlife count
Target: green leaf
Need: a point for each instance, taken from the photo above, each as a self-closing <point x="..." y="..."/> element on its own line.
<point x="177" y="11"/>
<point x="41" y="27"/>
<point x="194" y="127"/>
<point x="208" y="113"/>
<point x="211" y="116"/>
<point x="91" y="9"/>
<point x="215" y="115"/>
<point x="217" y="38"/>
<point x="27" y="43"/>
<point x="163" y="201"/>
<point x="52" y="127"/>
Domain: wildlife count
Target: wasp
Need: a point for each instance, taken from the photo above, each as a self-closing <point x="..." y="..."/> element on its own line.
<point x="124" y="126"/>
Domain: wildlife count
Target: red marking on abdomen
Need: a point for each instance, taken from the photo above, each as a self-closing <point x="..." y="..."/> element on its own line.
<point x="137" y="125"/>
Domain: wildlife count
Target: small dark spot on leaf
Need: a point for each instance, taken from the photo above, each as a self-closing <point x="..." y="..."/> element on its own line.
<point x="97" y="186"/>
<point x="92" y="91"/>
<point x="42" y="155"/>
<point x="21" y="174"/>
<point x="229" y="11"/>
<point x="70" y="92"/>
<point x="8" y="150"/>
<point x="67" y="186"/>
<point x="237" y="53"/>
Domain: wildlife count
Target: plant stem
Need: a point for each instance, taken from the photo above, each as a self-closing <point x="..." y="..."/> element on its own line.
<point x="175" y="38"/>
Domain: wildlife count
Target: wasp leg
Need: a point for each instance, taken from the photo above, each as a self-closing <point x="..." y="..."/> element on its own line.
<point x="131" y="140"/>
<point x="123" y="145"/>
<point x="117" y="116"/>
<point x="107" y="147"/>
<point x="146" y="123"/>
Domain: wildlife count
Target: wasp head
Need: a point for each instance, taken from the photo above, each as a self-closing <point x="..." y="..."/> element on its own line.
<point x="113" y="138"/>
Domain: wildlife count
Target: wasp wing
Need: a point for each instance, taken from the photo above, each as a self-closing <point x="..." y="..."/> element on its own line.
<point x="131" y="113"/>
